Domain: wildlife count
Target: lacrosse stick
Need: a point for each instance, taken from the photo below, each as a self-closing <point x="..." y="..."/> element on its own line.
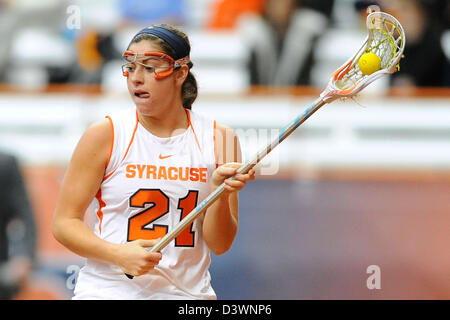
<point x="386" y="39"/>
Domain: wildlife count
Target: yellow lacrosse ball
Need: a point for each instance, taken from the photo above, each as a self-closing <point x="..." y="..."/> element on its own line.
<point x="369" y="63"/>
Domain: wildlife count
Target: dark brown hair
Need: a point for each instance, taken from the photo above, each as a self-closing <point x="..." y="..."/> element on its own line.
<point x="189" y="90"/>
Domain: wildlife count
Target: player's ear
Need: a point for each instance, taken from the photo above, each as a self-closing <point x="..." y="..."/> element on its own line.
<point x="181" y="74"/>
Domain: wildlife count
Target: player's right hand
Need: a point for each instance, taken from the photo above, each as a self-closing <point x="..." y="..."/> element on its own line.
<point x="134" y="259"/>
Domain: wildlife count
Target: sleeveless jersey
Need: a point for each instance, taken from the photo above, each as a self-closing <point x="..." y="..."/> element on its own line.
<point x="150" y="184"/>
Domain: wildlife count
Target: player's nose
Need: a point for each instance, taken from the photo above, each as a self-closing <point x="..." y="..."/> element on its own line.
<point x="137" y="76"/>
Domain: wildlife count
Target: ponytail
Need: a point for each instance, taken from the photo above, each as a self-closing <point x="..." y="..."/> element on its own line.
<point x="189" y="91"/>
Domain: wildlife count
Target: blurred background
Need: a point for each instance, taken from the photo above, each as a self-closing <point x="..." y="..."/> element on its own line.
<point x="365" y="182"/>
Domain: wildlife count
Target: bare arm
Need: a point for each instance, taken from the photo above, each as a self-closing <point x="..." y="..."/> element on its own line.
<point x="80" y="185"/>
<point x="221" y="219"/>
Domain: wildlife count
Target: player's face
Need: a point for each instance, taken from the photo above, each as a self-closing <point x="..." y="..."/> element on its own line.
<point x="151" y="96"/>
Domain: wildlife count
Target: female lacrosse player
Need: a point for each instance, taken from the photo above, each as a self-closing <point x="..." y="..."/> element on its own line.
<point x="148" y="167"/>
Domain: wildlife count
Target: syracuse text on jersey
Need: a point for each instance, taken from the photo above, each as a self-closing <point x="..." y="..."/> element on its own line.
<point x="146" y="171"/>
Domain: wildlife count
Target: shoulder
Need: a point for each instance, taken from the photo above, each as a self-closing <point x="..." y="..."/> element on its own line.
<point x="123" y="122"/>
<point x="95" y="143"/>
<point x="99" y="131"/>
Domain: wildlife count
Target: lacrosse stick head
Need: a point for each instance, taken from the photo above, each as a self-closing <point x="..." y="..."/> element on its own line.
<point x="387" y="40"/>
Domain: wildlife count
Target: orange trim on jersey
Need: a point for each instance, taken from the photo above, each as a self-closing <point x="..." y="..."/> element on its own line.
<point x="128" y="148"/>
<point x="215" y="144"/>
<point x="102" y="204"/>
<point x="112" y="141"/>
<point x="190" y="124"/>
<point x="132" y="137"/>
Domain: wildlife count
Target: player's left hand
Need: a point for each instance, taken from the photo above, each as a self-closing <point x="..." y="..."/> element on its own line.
<point x="223" y="172"/>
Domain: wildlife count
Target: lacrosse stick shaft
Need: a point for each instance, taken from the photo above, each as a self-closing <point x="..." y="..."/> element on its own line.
<point x="285" y="132"/>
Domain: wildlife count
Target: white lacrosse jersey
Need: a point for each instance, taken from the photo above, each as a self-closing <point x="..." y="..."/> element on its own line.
<point x="150" y="184"/>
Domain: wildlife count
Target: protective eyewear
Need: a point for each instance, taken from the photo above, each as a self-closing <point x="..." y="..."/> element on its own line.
<point x="160" y="63"/>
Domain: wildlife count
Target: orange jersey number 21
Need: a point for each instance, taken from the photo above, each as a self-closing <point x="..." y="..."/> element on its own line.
<point x="138" y="224"/>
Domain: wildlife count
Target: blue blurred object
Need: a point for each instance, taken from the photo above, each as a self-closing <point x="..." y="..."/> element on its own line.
<point x="153" y="11"/>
